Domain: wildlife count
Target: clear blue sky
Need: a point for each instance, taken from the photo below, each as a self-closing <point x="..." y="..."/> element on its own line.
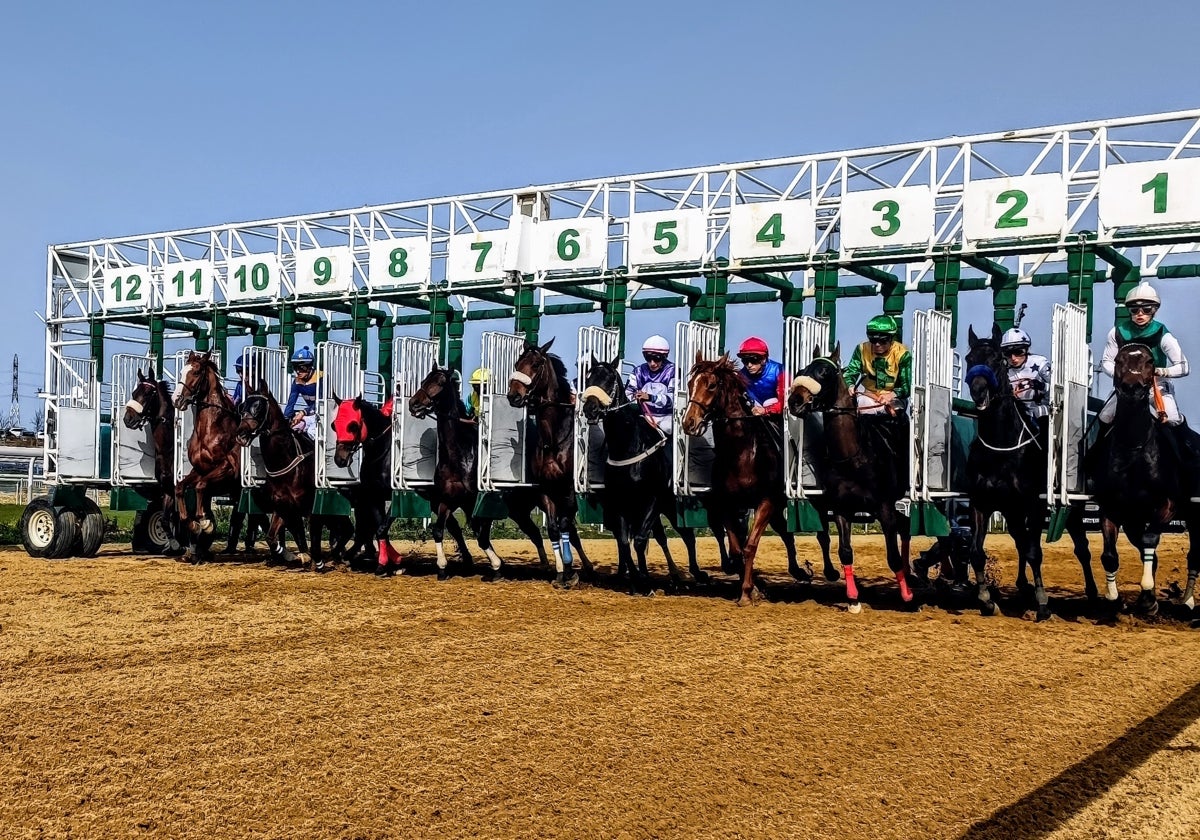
<point x="129" y="117"/>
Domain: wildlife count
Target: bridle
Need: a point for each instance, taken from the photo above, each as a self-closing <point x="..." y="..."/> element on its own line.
<point x="535" y="382"/>
<point x="997" y="395"/>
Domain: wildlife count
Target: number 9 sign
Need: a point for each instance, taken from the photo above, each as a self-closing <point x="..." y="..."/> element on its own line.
<point x="323" y="271"/>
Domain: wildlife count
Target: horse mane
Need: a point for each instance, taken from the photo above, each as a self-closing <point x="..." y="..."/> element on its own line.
<point x="560" y="372"/>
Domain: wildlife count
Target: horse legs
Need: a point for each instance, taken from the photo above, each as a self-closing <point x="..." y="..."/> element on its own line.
<point x="1148" y="539"/>
<point x="762" y="516"/>
<point x="1083" y="552"/>
<point x="389" y="559"/>
<point x="276" y="551"/>
<point x="897" y="559"/>
<point x="1025" y="527"/>
<point x="979" y="520"/>
<point x="1110" y="560"/>
<point x="779" y="523"/>
<point x="584" y="562"/>
<point x="483" y="535"/>
<point x="524" y="521"/>
<point x="464" y="553"/>
<point x="294" y="521"/>
<point x="439" y="532"/>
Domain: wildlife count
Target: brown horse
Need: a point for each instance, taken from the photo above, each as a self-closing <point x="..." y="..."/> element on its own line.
<point x="150" y="403"/>
<point x="747" y="460"/>
<point x="213" y="450"/>
<point x="860" y="471"/>
<point x="539" y="383"/>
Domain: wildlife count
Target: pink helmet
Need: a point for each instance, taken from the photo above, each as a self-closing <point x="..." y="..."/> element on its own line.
<point x="754" y="346"/>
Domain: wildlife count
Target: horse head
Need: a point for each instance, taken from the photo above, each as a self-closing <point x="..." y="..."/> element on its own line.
<point x="142" y="403"/>
<point x="603" y="388"/>
<point x="987" y="369"/>
<point x="349" y="428"/>
<point x="200" y="378"/>
<point x="436" y="394"/>
<point x="254" y="413"/>
<point x="715" y="391"/>
<point x="1133" y="372"/>
<point x="818" y="386"/>
<point x="536" y="376"/>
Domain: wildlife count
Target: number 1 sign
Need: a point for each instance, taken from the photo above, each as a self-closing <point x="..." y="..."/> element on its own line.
<point x="1147" y="194"/>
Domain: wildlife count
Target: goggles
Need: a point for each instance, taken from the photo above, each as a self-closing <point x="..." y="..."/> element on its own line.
<point x="880" y="338"/>
<point x="1142" y="308"/>
<point x="752" y="358"/>
<point x="654" y="357"/>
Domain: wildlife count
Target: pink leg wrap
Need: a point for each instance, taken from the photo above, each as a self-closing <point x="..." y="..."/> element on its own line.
<point x="902" y="579"/>
<point x="851" y="586"/>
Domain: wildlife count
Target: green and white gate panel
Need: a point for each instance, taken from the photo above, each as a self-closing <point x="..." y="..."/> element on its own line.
<point x="414" y="440"/>
<point x="132" y="449"/>
<point x="932" y="406"/>
<point x="503" y="430"/>
<point x="261" y="366"/>
<point x="692" y="457"/>
<point x="185" y="421"/>
<point x="602" y="344"/>
<point x="77" y="431"/>
<point x="339" y="375"/>
<point x="803" y="339"/>
<point x="1070" y="385"/>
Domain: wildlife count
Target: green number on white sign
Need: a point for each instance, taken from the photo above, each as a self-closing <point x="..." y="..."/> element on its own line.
<point x="772" y="231"/>
<point x="1158" y="185"/>
<point x="1009" y="218"/>
<point x="890" y="210"/>
<point x="568" y="245"/>
<point x="127" y="288"/>
<point x="665" y="231"/>
<point x="259" y="276"/>
<point x="179" y="280"/>
<point x="322" y="270"/>
<point x="398" y="262"/>
<point x="482" y="248"/>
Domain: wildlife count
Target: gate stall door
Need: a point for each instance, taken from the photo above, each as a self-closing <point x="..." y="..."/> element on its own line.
<point x="932" y="406"/>
<point x="132" y="449"/>
<point x="339" y="375"/>
<point x="503" y="430"/>
<point x="77" y="430"/>
<point x="602" y="344"/>
<point x="1070" y="380"/>
<point x="692" y="457"/>
<point x="803" y="339"/>
<point x="185" y="421"/>
<point x="414" y="441"/>
<point x="262" y="366"/>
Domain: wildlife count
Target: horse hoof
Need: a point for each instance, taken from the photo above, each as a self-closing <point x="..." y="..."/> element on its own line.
<point x="1043" y="613"/>
<point x="745" y="601"/>
<point x="700" y="577"/>
<point x="194" y="527"/>
<point x="493" y="576"/>
<point x="443" y="574"/>
<point x="206" y="526"/>
<point x="854" y="608"/>
<point x="831" y="574"/>
<point x="987" y="608"/>
<point x="566" y="580"/>
<point x="802" y="575"/>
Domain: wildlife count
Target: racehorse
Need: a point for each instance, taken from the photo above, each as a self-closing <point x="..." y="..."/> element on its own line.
<point x="637" y="475"/>
<point x="860" y="470"/>
<point x="539" y="383"/>
<point x="213" y="449"/>
<point x="1006" y="469"/>
<point x="151" y="403"/>
<point x="747" y="469"/>
<point x="1140" y="484"/>
<point x="290" y="477"/>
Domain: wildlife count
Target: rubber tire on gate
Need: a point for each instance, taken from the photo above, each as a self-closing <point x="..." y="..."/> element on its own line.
<point x="39" y="526"/>
<point x="66" y="536"/>
<point x="157" y="535"/>
<point x="91" y="529"/>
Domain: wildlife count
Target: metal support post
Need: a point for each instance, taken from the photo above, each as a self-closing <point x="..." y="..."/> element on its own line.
<point x="528" y="319"/>
<point x="220" y="334"/>
<point x="613" y="308"/>
<point x="825" y="289"/>
<point x="946" y="275"/>
<point x="1081" y="275"/>
<point x="97" y="346"/>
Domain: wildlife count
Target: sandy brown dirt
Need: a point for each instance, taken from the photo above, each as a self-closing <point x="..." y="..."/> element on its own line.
<point x="151" y="698"/>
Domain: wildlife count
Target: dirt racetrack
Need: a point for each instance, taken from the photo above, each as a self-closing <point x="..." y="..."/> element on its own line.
<point x="145" y="697"/>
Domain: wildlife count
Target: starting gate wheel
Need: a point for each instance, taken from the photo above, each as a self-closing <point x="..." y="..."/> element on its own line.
<point x="151" y="534"/>
<point x="91" y="529"/>
<point x="48" y="532"/>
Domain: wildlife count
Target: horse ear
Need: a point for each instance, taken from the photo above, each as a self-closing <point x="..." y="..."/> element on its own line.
<point x="996" y="334"/>
<point x="699" y="356"/>
<point x="836" y="355"/>
<point x="594" y="361"/>
<point x="972" y="339"/>
<point x="546" y="347"/>
<point x="261" y="388"/>
<point x="207" y="356"/>
<point x="615" y="364"/>
<point x="336" y="401"/>
<point x="141" y="378"/>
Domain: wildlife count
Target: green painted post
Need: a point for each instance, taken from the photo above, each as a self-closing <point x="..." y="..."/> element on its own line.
<point x="528" y="319"/>
<point x="792" y="302"/>
<point x="360" y="314"/>
<point x="157" y="327"/>
<point x="613" y="308"/>
<point x="716" y="290"/>
<point x="287" y="327"/>
<point x="97" y="346"/>
<point x="204" y="341"/>
<point x="946" y="275"/>
<point x="1004" y="300"/>
<point x="386" y="333"/>
<point x="1081" y="276"/>
<point x="1124" y="279"/>
<point x="258" y="336"/>
<point x="825" y="289"/>
<point x="446" y="325"/>
<point x="220" y="334"/>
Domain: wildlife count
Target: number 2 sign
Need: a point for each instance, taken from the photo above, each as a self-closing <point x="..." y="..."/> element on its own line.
<point x="1007" y="208"/>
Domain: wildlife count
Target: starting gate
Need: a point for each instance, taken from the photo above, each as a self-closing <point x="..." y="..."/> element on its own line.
<point x="414" y="441"/>
<point x="132" y="449"/>
<point x="339" y="375"/>
<point x="601" y="343"/>
<point x="185" y="421"/>
<point x="803" y="339"/>
<point x="77" y="430"/>
<point x="1070" y="384"/>
<point x="265" y="366"/>
<point x="932" y="406"/>
<point x="503" y="430"/>
<point x="692" y="457"/>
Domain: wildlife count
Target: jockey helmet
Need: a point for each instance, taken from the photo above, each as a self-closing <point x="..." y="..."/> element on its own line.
<point x="657" y="345"/>
<point x="754" y="346"/>
<point x="1016" y="337"/>
<point x="884" y="325"/>
<point x="237" y="362"/>
<point x="1142" y="293"/>
<point x="303" y="356"/>
<point x="480" y="376"/>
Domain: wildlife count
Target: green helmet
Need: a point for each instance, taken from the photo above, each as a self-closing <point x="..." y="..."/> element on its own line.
<point x="883" y="325"/>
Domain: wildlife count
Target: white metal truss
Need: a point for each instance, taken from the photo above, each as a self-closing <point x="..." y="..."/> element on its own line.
<point x="261" y="366"/>
<point x="339" y="375"/>
<point x="414" y="440"/>
<point x="692" y="457"/>
<point x="132" y="449"/>
<point x="1070" y="384"/>
<point x="932" y="399"/>
<point x="599" y="343"/>
<point x="503" y="430"/>
<point x="804" y="339"/>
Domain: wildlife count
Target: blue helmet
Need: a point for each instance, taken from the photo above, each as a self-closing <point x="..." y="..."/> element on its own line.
<point x="303" y="356"/>
<point x="237" y="362"/>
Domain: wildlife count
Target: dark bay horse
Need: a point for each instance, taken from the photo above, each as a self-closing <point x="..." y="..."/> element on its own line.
<point x="637" y="476"/>
<point x="213" y="450"/>
<point x="151" y="403"/>
<point x="1139" y="484"/>
<point x="539" y="383"/>
<point x="290" y="487"/>
<point x="1006" y="469"/>
<point x="859" y="470"/>
<point x="747" y="467"/>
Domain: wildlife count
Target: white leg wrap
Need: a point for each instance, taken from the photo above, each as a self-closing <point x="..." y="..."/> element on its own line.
<point x="441" y="555"/>
<point x="558" y="563"/>
<point x="1147" y="574"/>
<point x="1111" y="590"/>
<point x="493" y="557"/>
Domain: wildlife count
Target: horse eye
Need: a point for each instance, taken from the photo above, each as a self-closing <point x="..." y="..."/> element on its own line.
<point x="352" y="427"/>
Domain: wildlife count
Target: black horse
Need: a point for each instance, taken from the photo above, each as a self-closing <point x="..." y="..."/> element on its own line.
<point x="1006" y="470"/>
<point x="637" y="476"/>
<point x="1140" y="484"/>
<point x="863" y="466"/>
<point x="151" y="403"/>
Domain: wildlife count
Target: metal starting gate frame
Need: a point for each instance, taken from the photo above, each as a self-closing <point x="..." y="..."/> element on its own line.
<point x="132" y="449"/>
<point x="930" y="425"/>
<point x="503" y="430"/>
<point x="414" y="441"/>
<point x="603" y="344"/>
<point x="266" y="366"/>
<point x="803" y="339"/>
<point x="340" y="375"/>
<point x="1070" y="386"/>
<point x="692" y="457"/>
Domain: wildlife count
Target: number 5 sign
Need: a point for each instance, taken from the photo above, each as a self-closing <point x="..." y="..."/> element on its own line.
<point x="668" y="236"/>
<point x="887" y="218"/>
<point x="1005" y="208"/>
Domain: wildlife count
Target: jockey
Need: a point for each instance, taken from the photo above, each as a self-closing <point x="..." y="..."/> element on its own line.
<point x="304" y="387"/>
<point x="652" y="382"/>
<point x="475" y="398"/>
<point x="238" y="392"/>
<point x="1028" y="373"/>
<point x="1142" y="328"/>
<point x="880" y="371"/>
<point x="765" y="379"/>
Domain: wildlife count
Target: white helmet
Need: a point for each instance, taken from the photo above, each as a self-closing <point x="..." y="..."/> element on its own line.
<point x="1016" y="337"/>
<point x="1142" y="293"/>
<point x="656" y="344"/>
